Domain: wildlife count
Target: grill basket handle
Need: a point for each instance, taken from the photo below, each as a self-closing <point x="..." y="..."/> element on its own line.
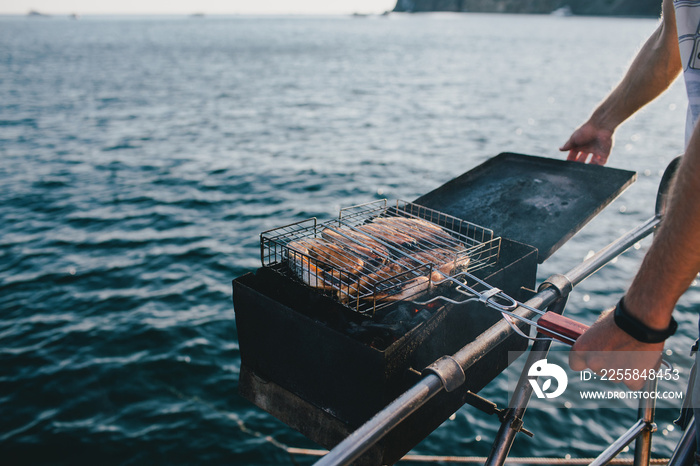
<point x="559" y="325"/>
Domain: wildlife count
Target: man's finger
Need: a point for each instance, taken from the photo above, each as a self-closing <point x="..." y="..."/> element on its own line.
<point x="598" y="159"/>
<point x="574" y="155"/>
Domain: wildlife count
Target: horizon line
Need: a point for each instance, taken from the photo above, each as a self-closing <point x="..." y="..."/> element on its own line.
<point x="194" y="13"/>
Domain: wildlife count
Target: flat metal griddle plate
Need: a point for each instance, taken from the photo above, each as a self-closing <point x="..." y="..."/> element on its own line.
<point x="533" y="200"/>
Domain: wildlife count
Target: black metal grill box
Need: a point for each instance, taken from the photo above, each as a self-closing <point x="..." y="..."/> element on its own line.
<point x="324" y="370"/>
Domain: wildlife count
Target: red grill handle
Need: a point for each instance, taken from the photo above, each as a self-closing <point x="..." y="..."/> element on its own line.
<point x="561" y="325"/>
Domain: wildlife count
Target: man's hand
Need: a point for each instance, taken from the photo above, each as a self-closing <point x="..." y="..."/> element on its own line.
<point x="653" y="70"/>
<point x="589" y="140"/>
<point x="605" y="346"/>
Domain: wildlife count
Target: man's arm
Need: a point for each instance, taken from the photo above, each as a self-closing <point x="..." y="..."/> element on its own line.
<point x="653" y="70"/>
<point x="668" y="269"/>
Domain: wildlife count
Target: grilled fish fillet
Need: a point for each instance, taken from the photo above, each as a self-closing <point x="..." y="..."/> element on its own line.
<point x="329" y="253"/>
<point x="389" y="235"/>
<point x="420" y="229"/>
<point x="445" y="263"/>
<point x="364" y="287"/>
<point x="409" y="289"/>
<point x="357" y="251"/>
<point x="306" y="270"/>
<point x="360" y="244"/>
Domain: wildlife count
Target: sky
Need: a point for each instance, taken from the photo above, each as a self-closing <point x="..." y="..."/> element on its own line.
<point x="196" y="6"/>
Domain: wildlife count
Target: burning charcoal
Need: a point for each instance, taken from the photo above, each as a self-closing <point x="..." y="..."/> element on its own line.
<point x="375" y="334"/>
<point x="422" y="316"/>
<point x="400" y="314"/>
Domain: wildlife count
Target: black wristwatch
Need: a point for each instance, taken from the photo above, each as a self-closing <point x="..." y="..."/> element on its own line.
<point x="637" y="330"/>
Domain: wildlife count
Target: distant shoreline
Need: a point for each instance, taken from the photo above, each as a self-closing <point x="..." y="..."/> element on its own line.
<point x="624" y="8"/>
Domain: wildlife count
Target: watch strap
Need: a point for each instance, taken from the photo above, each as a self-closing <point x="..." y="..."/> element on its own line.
<point x="637" y="329"/>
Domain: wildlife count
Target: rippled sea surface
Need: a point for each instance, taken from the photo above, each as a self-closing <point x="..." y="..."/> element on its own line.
<point x="140" y="158"/>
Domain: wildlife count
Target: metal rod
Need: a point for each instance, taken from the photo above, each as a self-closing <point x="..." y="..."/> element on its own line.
<point x="494" y="335"/>
<point x="609" y="252"/>
<point x="521" y="398"/>
<point x="684" y="454"/>
<point x="641" y="431"/>
<point x="647" y="409"/>
<point x="618" y="445"/>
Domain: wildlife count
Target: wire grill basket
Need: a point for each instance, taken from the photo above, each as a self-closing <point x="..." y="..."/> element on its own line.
<point x="378" y="253"/>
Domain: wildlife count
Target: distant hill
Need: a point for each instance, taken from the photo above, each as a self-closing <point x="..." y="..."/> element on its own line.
<point x="648" y="8"/>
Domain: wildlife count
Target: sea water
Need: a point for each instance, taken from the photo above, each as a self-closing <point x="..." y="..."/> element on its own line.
<point x="140" y="158"/>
